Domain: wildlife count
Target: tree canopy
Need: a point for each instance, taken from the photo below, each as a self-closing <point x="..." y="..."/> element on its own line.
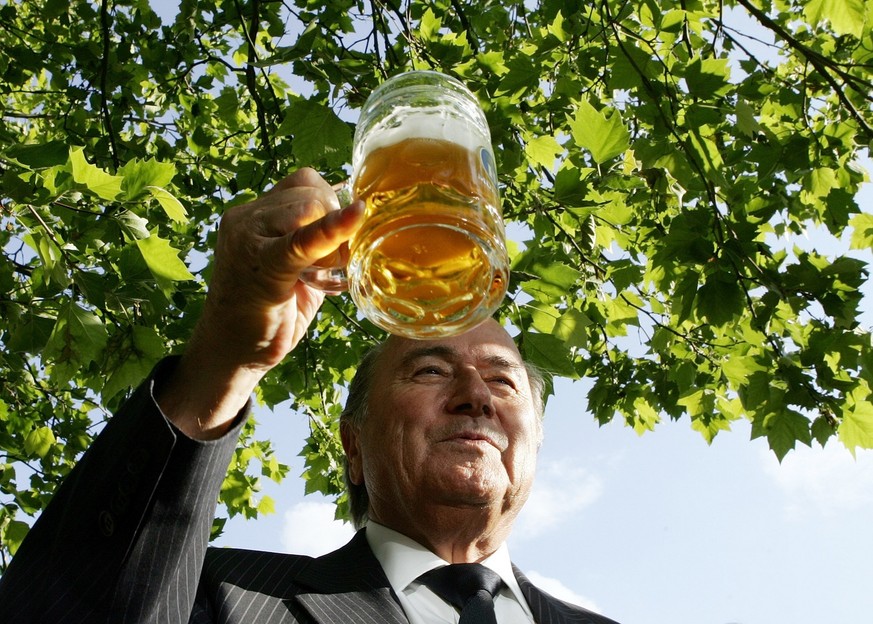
<point x="658" y="161"/>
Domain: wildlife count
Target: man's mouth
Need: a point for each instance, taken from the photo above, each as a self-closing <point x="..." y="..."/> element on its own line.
<point x="476" y="438"/>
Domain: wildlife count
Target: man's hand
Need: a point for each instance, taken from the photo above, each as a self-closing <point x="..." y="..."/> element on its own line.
<point x="256" y="310"/>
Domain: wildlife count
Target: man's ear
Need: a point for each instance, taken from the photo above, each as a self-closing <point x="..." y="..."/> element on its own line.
<point x="351" y="445"/>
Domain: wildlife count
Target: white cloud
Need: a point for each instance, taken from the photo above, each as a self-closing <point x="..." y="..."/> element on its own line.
<point x="560" y="491"/>
<point x="560" y="591"/>
<point x="827" y="480"/>
<point x="309" y="528"/>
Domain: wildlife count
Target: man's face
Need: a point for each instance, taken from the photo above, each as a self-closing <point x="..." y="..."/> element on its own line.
<point x="451" y="422"/>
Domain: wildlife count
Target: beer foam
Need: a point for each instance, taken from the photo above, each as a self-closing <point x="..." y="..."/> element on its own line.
<point x="423" y="123"/>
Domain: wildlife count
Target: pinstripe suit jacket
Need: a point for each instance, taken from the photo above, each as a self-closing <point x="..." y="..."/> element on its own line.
<point x="125" y="540"/>
<point x="347" y="585"/>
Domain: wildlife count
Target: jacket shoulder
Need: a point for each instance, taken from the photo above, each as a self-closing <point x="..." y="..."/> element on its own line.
<point x="547" y="608"/>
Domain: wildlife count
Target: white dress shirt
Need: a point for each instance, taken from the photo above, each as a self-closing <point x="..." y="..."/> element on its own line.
<point x="404" y="560"/>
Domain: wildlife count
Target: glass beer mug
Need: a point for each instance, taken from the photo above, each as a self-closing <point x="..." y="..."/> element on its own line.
<point x="430" y="259"/>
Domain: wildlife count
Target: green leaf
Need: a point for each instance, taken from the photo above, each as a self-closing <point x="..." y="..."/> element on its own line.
<point x="217" y="528"/>
<point x="571" y="188"/>
<point x="547" y="352"/>
<point x="172" y="206"/>
<point x="556" y="28"/>
<point x="88" y="332"/>
<point x="706" y="77"/>
<point x="543" y="151"/>
<point x="856" y="426"/>
<point x="661" y="340"/>
<point x="147" y="349"/>
<point x="697" y="401"/>
<point x="673" y="20"/>
<point x="319" y="135"/>
<point x="710" y="425"/>
<point x="683" y="375"/>
<point x="228" y="102"/>
<point x="104" y="185"/>
<point x="862" y="231"/>
<point x="39" y="441"/>
<point x="543" y="317"/>
<point x="40" y="155"/>
<point x="738" y="368"/>
<point x="521" y="76"/>
<point x="55" y="272"/>
<point x="266" y="505"/>
<point x="78" y="338"/>
<point x="133" y="225"/>
<point x="746" y="121"/>
<point x="632" y="66"/>
<point x="13" y="534"/>
<point x="140" y="175"/>
<point x="32" y="334"/>
<point x="785" y="429"/>
<point x="429" y="25"/>
<point x="822" y="430"/>
<point x="163" y="261"/>
<point x="819" y="182"/>
<point x="705" y="146"/>
<point x="644" y="416"/>
<point x="554" y="283"/>
<point x="601" y="132"/>
<point x="846" y="17"/>
<point x="127" y="375"/>
<point x="570" y="328"/>
<point x="720" y="300"/>
<point x="620" y="313"/>
<point x="561" y="276"/>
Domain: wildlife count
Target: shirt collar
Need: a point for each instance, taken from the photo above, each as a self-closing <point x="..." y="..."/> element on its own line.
<point x="404" y="560"/>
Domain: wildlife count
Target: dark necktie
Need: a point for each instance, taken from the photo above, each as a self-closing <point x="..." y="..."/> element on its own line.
<point x="469" y="587"/>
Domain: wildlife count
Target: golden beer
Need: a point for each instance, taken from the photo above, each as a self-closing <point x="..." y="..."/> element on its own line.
<point x="430" y="257"/>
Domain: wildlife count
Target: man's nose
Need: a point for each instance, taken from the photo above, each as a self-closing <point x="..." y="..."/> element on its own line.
<point x="471" y="396"/>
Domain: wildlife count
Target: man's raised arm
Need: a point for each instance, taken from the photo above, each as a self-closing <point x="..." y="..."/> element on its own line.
<point x="257" y="310"/>
<point x="124" y="537"/>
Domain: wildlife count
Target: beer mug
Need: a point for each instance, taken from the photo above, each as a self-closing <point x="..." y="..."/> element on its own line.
<point x="430" y="258"/>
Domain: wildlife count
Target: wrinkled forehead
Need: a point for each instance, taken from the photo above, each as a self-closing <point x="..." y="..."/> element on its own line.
<point x="488" y="341"/>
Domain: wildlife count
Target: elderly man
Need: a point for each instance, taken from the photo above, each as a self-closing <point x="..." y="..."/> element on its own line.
<point x="441" y="439"/>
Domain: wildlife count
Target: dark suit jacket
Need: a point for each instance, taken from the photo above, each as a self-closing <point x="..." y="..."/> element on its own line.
<point x="125" y="540"/>
<point x="347" y="585"/>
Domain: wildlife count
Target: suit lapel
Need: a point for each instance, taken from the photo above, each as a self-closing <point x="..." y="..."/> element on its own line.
<point x="349" y="586"/>
<point x="365" y="607"/>
<point x="536" y="600"/>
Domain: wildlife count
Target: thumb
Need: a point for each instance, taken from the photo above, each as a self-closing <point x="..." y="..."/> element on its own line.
<point x="305" y="246"/>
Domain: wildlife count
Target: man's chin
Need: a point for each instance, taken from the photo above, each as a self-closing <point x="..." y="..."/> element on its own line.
<point x="472" y="486"/>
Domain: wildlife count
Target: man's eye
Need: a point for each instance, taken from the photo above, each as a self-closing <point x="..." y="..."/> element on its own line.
<point x="503" y="380"/>
<point x="429" y="370"/>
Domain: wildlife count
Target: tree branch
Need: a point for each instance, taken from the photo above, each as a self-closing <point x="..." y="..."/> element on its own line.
<point x="465" y="23"/>
<point x="104" y="82"/>
<point x="251" y="35"/>
<point x="821" y="65"/>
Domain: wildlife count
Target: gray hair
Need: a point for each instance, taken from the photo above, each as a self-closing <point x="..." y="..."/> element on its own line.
<point x="355" y="413"/>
